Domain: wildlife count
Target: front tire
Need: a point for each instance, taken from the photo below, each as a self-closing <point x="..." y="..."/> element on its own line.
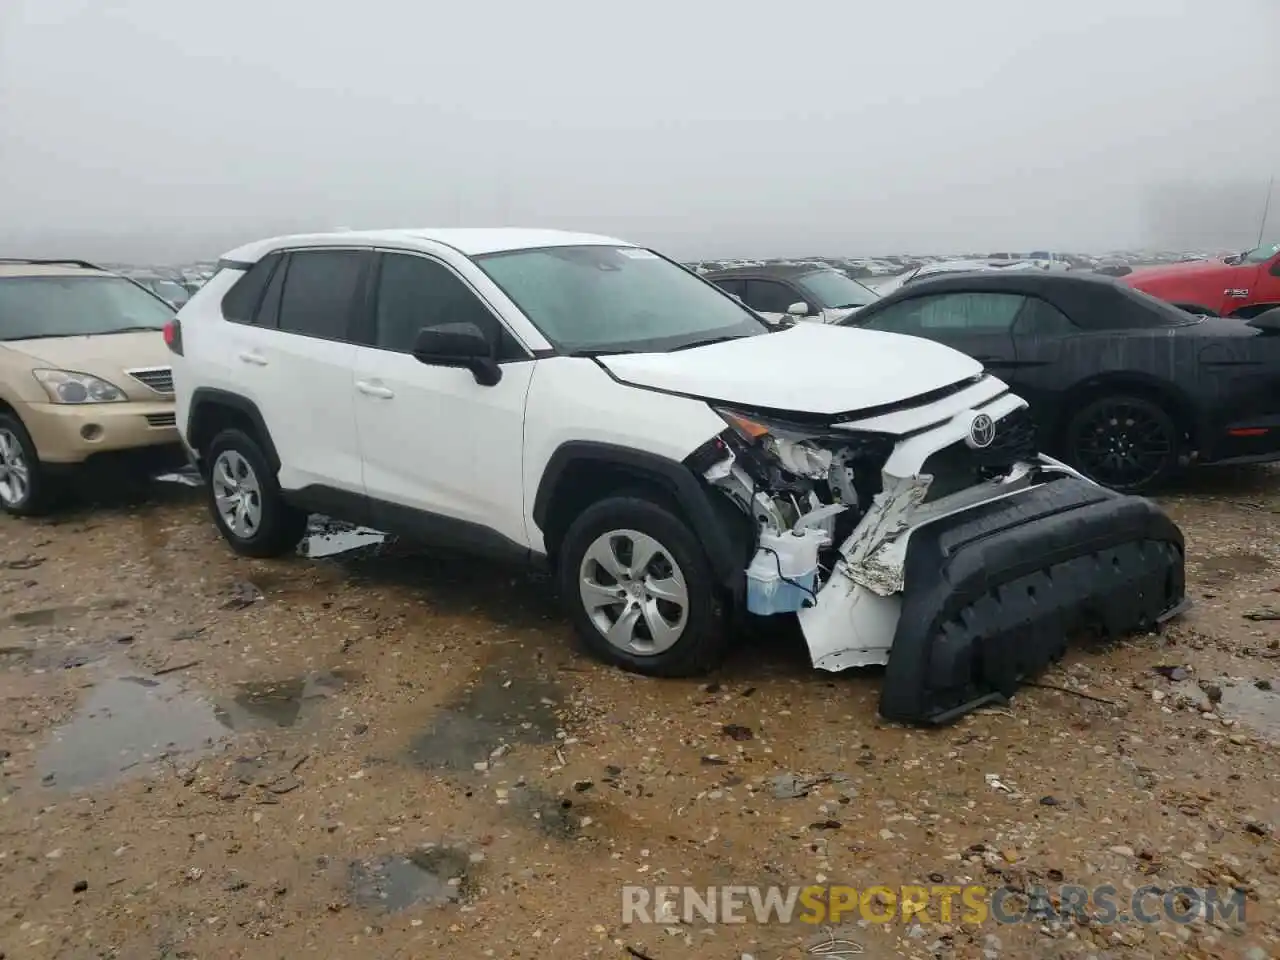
<point x="245" y="499"/>
<point x="639" y="589"/>
<point x="1128" y="443"/>
<point x="25" y="488"/>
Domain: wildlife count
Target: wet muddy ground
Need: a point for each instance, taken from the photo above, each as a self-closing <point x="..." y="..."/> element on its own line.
<point x="365" y="750"/>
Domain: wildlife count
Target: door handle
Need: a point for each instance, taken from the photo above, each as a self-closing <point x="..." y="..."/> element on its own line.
<point x="373" y="390"/>
<point x="257" y="359"/>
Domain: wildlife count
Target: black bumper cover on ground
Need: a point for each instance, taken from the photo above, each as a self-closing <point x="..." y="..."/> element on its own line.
<point x="994" y="593"/>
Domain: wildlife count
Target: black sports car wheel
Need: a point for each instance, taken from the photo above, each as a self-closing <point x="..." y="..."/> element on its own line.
<point x="1127" y="443"/>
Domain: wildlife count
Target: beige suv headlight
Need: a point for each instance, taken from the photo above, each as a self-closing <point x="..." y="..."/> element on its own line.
<point x="67" y="386"/>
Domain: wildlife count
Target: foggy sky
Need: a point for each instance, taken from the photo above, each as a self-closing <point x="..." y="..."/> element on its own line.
<point x="171" y="129"/>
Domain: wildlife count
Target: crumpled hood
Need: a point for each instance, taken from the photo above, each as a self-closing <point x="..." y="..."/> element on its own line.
<point x="809" y="368"/>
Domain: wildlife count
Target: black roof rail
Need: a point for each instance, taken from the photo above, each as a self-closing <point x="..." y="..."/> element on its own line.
<point x="54" y="262"/>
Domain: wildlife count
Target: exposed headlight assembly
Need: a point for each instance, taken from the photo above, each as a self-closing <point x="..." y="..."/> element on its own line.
<point x="792" y="446"/>
<point x="68" y="386"/>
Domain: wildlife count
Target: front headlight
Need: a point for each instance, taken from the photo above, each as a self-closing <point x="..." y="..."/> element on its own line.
<point x="67" y="386"/>
<point x="791" y="446"/>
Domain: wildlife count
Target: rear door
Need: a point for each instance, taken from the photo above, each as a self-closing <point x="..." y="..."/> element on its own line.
<point x="296" y="361"/>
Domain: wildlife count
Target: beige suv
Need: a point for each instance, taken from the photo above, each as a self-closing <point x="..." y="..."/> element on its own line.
<point x="84" y="377"/>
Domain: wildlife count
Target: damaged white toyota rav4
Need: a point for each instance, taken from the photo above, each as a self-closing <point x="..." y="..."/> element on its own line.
<point x="589" y="404"/>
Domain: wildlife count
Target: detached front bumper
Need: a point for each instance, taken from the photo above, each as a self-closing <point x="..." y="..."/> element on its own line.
<point x="986" y="596"/>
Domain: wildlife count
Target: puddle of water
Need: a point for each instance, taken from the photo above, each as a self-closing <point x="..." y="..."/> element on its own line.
<point x="279" y="703"/>
<point x="123" y="728"/>
<point x="501" y="707"/>
<point x="1257" y="709"/>
<point x="127" y="723"/>
<point x="558" y="817"/>
<point x="333" y="542"/>
<point x="419" y="878"/>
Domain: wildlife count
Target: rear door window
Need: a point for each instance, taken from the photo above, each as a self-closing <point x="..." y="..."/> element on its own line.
<point x="949" y="312"/>
<point x="319" y="294"/>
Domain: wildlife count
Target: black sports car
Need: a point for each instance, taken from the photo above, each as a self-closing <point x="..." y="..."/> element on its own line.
<point x="1124" y="387"/>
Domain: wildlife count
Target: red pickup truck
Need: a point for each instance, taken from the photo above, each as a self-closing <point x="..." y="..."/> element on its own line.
<point x="1243" y="285"/>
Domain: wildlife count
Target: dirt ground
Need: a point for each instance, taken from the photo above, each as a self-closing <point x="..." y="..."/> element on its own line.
<point x="365" y="751"/>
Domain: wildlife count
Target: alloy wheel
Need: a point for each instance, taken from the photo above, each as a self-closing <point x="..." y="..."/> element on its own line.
<point x="1123" y="445"/>
<point x="15" y="472"/>
<point x="237" y="494"/>
<point x="634" y="592"/>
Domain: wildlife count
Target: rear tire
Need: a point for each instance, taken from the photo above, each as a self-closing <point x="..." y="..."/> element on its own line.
<point x="25" y="487"/>
<point x="245" y="499"/>
<point x="639" y="589"/>
<point x="1125" y="442"/>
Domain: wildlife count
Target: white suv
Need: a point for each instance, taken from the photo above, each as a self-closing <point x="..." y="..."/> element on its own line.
<point x="585" y="403"/>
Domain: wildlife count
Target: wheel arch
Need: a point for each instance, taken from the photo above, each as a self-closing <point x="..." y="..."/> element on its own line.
<point x="580" y="473"/>
<point x="1169" y="395"/>
<point x="212" y="410"/>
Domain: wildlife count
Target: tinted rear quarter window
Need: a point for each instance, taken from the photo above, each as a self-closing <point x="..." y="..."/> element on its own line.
<point x="1154" y="312"/>
<point x="241" y="301"/>
<point x="1039" y="318"/>
<point x="269" y="307"/>
<point x="319" y="291"/>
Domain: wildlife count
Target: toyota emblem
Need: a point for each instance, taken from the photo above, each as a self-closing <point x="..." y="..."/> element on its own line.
<point x="982" y="431"/>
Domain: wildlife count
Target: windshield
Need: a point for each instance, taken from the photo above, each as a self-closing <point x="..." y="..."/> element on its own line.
<point x="33" y="307"/>
<point x="616" y="299"/>
<point x="831" y="288"/>
<point x="1262" y="254"/>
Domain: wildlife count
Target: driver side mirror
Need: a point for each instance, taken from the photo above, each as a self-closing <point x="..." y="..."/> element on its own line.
<point x="798" y="309"/>
<point x="458" y="345"/>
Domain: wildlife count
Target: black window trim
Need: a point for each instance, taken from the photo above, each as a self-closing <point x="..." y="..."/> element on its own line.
<point x="359" y="300"/>
<point x="369" y="328"/>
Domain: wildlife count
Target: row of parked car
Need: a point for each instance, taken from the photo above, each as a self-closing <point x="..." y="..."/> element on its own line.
<point x="679" y="452"/>
<point x="1125" y="385"/>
